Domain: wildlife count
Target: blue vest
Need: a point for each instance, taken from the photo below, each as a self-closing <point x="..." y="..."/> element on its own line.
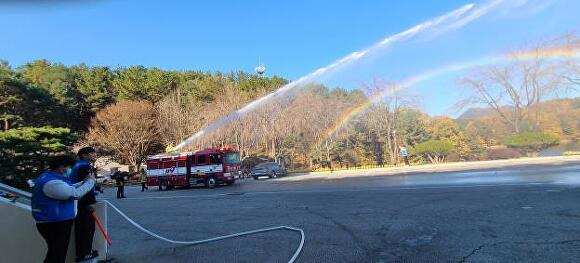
<point x="46" y="209"/>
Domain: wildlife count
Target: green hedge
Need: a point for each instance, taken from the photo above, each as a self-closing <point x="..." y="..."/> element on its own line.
<point x="434" y="150"/>
<point x="531" y="142"/>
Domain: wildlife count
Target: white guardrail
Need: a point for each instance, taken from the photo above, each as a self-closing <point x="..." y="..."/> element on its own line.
<point x="20" y="240"/>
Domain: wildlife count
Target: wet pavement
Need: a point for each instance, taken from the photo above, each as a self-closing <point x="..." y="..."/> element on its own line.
<point x="516" y="214"/>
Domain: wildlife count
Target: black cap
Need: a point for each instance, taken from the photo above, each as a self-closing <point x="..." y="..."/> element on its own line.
<point x="85" y="150"/>
<point x="61" y="160"/>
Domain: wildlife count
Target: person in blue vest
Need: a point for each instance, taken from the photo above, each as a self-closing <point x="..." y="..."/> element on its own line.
<point x="53" y="206"/>
<point x="84" y="222"/>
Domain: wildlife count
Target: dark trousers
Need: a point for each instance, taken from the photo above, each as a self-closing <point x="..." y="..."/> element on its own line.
<point x="57" y="237"/>
<point x="120" y="191"/>
<point x="144" y="186"/>
<point x="84" y="232"/>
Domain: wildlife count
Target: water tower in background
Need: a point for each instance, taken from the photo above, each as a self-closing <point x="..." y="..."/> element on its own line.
<point x="260" y="69"/>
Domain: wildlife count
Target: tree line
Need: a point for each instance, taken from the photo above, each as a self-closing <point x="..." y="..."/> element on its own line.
<point x="131" y="112"/>
<point x="48" y="108"/>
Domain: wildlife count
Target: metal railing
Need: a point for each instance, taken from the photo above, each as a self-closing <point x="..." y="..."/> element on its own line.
<point x="14" y="195"/>
<point x="15" y="191"/>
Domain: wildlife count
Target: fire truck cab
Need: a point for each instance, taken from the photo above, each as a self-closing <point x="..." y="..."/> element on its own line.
<point x="210" y="167"/>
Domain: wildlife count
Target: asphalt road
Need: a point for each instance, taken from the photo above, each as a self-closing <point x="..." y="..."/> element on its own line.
<point x="517" y="214"/>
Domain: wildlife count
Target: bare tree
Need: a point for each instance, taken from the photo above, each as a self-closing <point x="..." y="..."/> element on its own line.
<point x="382" y="117"/>
<point x="512" y="89"/>
<point x="128" y="129"/>
<point x="178" y="117"/>
<point x="572" y="43"/>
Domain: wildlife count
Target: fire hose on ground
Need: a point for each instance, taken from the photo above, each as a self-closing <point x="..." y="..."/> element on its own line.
<point x="203" y="241"/>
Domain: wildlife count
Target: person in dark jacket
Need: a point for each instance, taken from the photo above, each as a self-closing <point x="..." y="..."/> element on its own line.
<point x="120" y="179"/>
<point x="53" y="205"/>
<point x="84" y="222"/>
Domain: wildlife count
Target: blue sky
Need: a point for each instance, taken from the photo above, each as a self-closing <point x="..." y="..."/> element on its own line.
<point x="292" y="38"/>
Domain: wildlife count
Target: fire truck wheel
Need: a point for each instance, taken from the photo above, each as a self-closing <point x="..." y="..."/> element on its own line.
<point x="210" y="182"/>
<point x="163" y="185"/>
<point x="230" y="182"/>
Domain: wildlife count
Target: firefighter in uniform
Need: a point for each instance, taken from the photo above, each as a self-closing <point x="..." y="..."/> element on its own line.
<point x="143" y="179"/>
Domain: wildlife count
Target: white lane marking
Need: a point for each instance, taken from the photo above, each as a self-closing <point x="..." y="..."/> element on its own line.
<point x="167" y="197"/>
<point x="391" y="188"/>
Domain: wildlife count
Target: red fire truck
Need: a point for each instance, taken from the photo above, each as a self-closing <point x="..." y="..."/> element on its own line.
<point x="210" y="167"/>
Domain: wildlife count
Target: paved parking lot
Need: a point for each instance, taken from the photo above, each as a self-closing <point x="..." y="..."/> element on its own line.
<point x="523" y="214"/>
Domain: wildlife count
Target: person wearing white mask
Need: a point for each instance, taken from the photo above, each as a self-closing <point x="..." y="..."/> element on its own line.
<point x="53" y="206"/>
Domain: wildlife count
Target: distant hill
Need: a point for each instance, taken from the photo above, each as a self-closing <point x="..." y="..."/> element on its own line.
<point x="474" y="113"/>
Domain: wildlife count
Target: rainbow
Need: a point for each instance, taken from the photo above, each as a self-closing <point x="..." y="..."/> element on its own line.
<point x="553" y="53"/>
